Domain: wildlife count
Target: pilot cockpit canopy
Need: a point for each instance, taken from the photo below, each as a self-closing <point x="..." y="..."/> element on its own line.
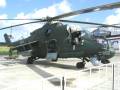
<point x="101" y="33"/>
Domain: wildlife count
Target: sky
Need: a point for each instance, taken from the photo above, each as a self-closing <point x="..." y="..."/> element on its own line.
<point x="22" y="9"/>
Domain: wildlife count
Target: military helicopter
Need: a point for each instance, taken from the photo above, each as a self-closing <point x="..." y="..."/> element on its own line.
<point x="56" y="40"/>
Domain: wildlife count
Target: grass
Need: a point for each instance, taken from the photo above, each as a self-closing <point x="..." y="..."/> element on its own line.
<point x="4" y="50"/>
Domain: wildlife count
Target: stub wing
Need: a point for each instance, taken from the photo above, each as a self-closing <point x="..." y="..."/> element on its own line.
<point x="26" y="46"/>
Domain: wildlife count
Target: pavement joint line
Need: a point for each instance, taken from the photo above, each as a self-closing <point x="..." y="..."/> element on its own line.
<point x="46" y="75"/>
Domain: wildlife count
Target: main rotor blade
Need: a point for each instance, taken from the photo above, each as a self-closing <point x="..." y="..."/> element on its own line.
<point x="88" y="10"/>
<point x="91" y="23"/>
<point x="21" y="19"/>
<point x="81" y="11"/>
<point x="21" y="24"/>
<point x="116" y="35"/>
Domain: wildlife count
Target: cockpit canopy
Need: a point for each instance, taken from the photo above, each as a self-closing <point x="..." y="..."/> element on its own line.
<point x="101" y="33"/>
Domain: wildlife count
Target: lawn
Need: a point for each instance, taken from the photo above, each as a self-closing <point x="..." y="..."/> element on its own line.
<point x="4" y="50"/>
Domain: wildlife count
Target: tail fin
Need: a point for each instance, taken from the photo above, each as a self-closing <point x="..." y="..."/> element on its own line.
<point x="7" y="39"/>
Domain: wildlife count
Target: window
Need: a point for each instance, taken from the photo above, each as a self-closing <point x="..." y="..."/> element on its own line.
<point x="48" y="32"/>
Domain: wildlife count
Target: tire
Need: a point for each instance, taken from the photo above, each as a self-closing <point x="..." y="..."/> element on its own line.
<point x="54" y="60"/>
<point x="30" y="60"/>
<point x="105" y="61"/>
<point x="80" y="65"/>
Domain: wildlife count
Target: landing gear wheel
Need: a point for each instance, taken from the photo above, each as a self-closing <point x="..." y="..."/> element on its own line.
<point x="30" y="60"/>
<point x="54" y="60"/>
<point x="80" y="65"/>
<point x="105" y="61"/>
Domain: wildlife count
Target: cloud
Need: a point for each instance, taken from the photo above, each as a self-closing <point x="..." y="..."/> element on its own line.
<point x="51" y="11"/>
<point x="64" y="6"/>
<point x="3" y="22"/>
<point x="114" y="18"/>
<point x="2" y="3"/>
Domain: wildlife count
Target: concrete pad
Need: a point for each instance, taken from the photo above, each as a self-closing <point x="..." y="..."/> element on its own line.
<point x="44" y="75"/>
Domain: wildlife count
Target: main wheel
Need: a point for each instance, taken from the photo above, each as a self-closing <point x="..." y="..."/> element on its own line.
<point x="105" y="61"/>
<point x="30" y="60"/>
<point x="80" y="65"/>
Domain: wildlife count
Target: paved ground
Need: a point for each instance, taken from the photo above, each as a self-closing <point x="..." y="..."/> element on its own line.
<point x="44" y="75"/>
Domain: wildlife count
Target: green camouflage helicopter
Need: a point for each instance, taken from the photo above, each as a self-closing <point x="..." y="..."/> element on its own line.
<point x="56" y="40"/>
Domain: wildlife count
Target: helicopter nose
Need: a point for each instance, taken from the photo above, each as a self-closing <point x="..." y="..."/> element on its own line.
<point x="109" y="53"/>
<point x="112" y="53"/>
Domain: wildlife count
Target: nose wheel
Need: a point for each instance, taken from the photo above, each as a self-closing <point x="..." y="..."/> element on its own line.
<point x="80" y="65"/>
<point x="30" y="60"/>
<point x="54" y="60"/>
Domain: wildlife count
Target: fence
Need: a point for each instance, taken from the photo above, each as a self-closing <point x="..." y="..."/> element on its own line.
<point x="105" y="77"/>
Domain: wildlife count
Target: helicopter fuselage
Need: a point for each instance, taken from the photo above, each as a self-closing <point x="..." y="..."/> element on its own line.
<point x="66" y="45"/>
